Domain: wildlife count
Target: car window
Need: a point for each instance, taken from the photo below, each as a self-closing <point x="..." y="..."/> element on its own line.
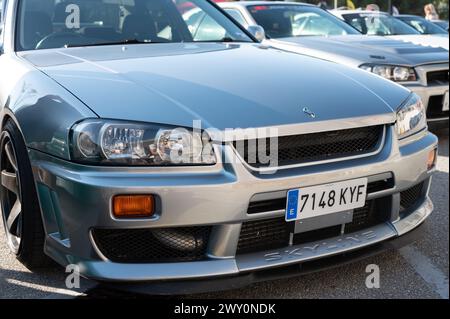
<point x="315" y="24"/>
<point x="422" y="25"/>
<point x="61" y="23"/>
<point x="441" y="24"/>
<point x="237" y="15"/>
<point x="378" y="24"/>
<point x="208" y="30"/>
<point x="292" y="20"/>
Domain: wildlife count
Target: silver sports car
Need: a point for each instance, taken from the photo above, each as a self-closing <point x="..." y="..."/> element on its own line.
<point x="144" y="153"/>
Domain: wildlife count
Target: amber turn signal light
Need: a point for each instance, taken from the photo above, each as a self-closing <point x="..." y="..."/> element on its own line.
<point x="432" y="158"/>
<point x="133" y="206"/>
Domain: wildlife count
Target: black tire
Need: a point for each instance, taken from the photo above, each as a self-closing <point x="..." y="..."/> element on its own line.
<point x="26" y="235"/>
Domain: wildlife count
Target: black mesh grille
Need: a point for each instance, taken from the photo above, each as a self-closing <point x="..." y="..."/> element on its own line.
<point x="298" y="149"/>
<point x="410" y="197"/>
<point x="261" y="235"/>
<point x="362" y="218"/>
<point x="153" y="245"/>
<point x="437" y="77"/>
<point x="435" y="107"/>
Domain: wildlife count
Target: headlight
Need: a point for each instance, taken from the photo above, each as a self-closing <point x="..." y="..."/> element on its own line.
<point x="392" y="72"/>
<point x="99" y="142"/>
<point x="411" y="117"/>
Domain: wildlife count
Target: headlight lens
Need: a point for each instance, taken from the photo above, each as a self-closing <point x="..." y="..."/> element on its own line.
<point x="392" y="72"/>
<point x="98" y="142"/>
<point x="411" y="117"/>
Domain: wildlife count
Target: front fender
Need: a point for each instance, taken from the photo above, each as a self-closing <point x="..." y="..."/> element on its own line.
<point x="43" y="110"/>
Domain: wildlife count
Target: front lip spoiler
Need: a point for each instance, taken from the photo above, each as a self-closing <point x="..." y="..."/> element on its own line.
<point x="336" y="245"/>
<point x="215" y="268"/>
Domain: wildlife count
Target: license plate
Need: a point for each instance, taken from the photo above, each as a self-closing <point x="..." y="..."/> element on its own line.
<point x="445" y="106"/>
<point x="325" y="199"/>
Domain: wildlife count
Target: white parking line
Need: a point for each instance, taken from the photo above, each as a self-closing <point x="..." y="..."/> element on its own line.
<point x="64" y="294"/>
<point x="58" y="293"/>
<point x="426" y="269"/>
<point x="72" y="294"/>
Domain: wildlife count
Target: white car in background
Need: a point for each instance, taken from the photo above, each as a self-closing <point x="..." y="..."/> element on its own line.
<point x="384" y="24"/>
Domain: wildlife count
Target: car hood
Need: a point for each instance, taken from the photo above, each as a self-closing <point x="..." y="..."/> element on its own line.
<point x="355" y="50"/>
<point x="428" y="40"/>
<point x="223" y="85"/>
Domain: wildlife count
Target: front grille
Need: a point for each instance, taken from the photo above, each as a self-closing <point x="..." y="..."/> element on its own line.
<point x="153" y="245"/>
<point x="299" y="149"/>
<point x="261" y="235"/>
<point x="435" y="106"/>
<point x="438" y="77"/>
<point x="375" y="212"/>
<point x="410" y="198"/>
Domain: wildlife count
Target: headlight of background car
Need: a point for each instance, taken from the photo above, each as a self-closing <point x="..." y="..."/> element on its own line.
<point x="392" y="72"/>
<point x="411" y="117"/>
<point x="99" y="142"/>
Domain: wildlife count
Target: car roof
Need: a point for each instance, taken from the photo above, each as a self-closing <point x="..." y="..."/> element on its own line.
<point x="342" y="12"/>
<point x="408" y="16"/>
<point x="261" y="3"/>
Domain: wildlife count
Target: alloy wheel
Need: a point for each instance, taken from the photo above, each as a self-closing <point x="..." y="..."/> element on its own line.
<point x="10" y="194"/>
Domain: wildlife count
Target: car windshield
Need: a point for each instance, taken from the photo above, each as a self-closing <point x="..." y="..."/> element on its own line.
<point x="378" y="24"/>
<point x="282" y="21"/>
<point x="45" y="24"/>
<point x="422" y="25"/>
<point x="441" y="24"/>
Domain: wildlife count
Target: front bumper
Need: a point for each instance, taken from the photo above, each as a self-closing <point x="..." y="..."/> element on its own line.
<point x="76" y="199"/>
<point x="213" y="284"/>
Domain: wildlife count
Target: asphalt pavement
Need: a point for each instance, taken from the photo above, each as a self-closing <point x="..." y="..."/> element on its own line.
<point x="419" y="270"/>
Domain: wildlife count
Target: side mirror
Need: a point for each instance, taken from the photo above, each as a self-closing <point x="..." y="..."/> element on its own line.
<point x="257" y="31"/>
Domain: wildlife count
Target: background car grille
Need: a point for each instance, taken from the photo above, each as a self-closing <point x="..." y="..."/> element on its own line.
<point x="410" y="198"/>
<point x="438" y="77"/>
<point x="298" y="149"/>
<point x="153" y="245"/>
<point x="435" y="106"/>
<point x="260" y="235"/>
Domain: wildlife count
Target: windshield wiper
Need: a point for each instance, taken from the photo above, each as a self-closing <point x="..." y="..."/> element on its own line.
<point x="123" y="42"/>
